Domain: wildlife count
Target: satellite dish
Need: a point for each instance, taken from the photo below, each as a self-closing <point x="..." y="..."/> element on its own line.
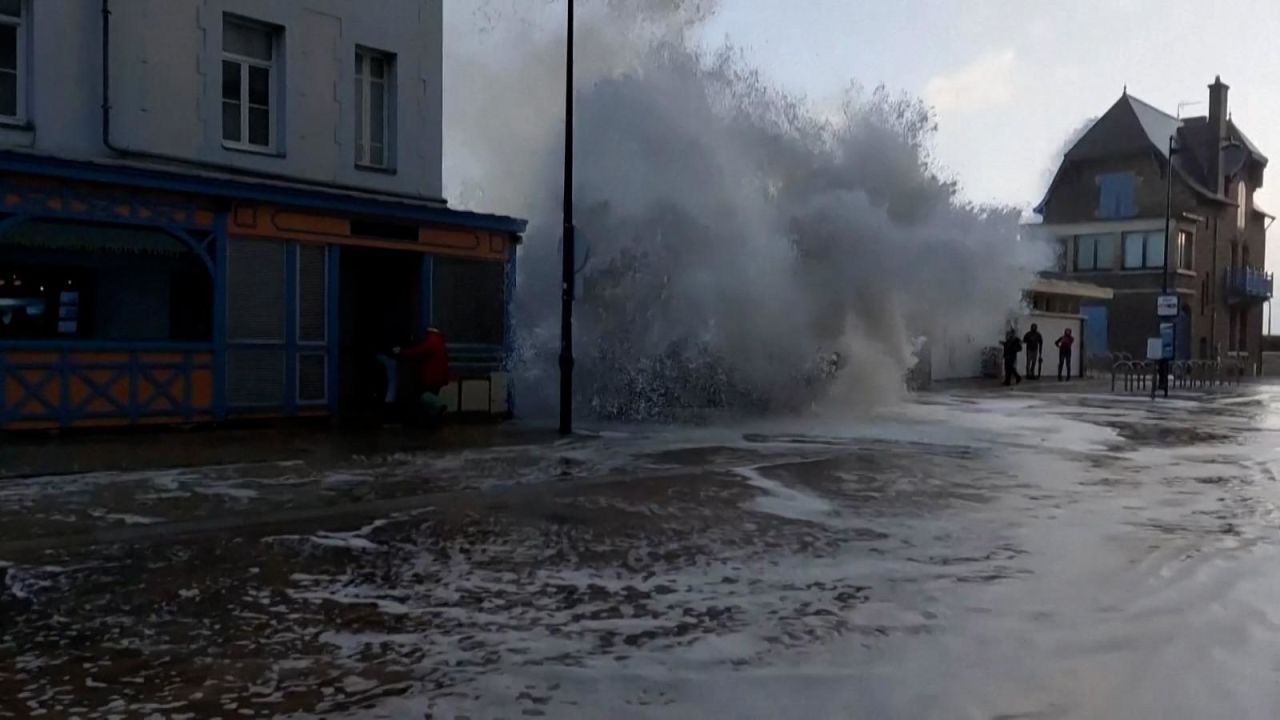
<point x="1234" y="156"/>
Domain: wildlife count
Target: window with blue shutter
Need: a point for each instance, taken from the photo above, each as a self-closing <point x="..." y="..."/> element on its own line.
<point x="1117" y="195"/>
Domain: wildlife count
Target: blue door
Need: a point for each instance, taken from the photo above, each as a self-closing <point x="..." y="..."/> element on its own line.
<point x="1095" y="330"/>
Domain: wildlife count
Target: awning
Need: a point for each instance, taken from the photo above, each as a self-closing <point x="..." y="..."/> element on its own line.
<point x="85" y="238"/>
<point x="1069" y="288"/>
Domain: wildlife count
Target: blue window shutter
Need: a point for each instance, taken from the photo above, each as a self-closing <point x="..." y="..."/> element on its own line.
<point x="1117" y="195"/>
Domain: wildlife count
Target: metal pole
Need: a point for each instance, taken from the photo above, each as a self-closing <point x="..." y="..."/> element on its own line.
<point x="1164" y="276"/>
<point x="568" y="250"/>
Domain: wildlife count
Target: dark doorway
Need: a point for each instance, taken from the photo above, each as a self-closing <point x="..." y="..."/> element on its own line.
<point x="378" y="299"/>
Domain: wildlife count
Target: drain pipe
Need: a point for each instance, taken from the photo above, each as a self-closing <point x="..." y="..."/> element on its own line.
<point x="106" y="77"/>
<point x="109" y="144"/>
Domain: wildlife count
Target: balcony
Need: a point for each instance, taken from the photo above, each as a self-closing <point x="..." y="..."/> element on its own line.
<point x="1248" y="284"/>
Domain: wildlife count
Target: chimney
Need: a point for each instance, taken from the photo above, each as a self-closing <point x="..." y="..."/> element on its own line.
<point x="1217" y="131"/>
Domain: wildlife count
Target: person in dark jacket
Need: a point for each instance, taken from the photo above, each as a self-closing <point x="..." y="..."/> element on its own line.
<point x="1064" y="344"/>
<point x="1012" y="346"/>
<point x="1033" y="341"/>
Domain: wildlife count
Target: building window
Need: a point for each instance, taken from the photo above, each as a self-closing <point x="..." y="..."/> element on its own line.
<point x="1095" y="252"/>
<point x="102" y="282"/>
<point x="374" y="90"/>
<point x="1143" y="250"/>
<point x="248" y="84"/>
<point x="1117" y="195"/>
<point x="12" y="60"/>
<point x="1186" y="250"/>
<point x="1241" y="203"/>
<point x="469" y="300"/>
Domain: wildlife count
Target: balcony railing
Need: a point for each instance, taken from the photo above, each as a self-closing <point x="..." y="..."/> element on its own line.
<point x="1249" y="283"/>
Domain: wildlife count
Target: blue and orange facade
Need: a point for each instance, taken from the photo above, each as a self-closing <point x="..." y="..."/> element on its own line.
<point x="139" y="295"/>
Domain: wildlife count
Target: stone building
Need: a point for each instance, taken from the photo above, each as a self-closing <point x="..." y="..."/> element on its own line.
<point x="1106" y="207"/>
<point x="216" y="209"/>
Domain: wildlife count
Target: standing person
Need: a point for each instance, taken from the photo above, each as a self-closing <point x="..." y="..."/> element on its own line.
<point x="432" y="357"/>
<point x="1064" y="344"/>
<point x="1034" y="343"/>
<point x="1012" y="346"/>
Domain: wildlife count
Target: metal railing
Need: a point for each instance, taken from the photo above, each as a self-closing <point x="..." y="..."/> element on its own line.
<point x="1130" y="375"/>
<point x="1249" y="282"/>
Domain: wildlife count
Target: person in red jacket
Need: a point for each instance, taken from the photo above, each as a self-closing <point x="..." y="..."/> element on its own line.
<point x="431" y="355"/>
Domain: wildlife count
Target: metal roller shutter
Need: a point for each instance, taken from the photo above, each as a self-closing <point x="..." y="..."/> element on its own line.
<point x="255" y="377"/>
<point x="255" y="290"/>
<point x="312" y="268"/>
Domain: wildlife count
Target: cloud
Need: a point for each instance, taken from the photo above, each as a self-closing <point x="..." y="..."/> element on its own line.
<point x="985" y="83"/>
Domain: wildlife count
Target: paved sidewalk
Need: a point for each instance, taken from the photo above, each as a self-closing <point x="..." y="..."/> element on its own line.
<point x="45" y="455"/>
<point x="138" y="488"/>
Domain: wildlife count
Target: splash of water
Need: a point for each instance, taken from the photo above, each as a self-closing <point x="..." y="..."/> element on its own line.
<point x="734" y="232"/>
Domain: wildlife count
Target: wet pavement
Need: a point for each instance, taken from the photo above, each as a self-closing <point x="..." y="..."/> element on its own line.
<point x="968" y="555"/>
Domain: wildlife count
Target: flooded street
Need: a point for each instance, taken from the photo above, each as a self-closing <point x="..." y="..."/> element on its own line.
<point x="969" y="555"/>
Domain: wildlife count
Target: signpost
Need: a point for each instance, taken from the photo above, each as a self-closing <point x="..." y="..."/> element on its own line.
<point x="1167" y="306"/>
<point x="1166" y="340"/>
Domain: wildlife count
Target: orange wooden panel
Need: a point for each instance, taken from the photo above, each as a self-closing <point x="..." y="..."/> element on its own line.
<point x="161" y="359"/>
<point x="100" y="405"/>
<point x="78" y="390"/>
<point x="163" y="376"/>
<point x="32" y="425"/>
<point x="307" y="224"/>
<point x="32" y="407"/>
<point x="99" y="358"/>
<point x="100" y="377"/>
<point x="202" y="388"/>
<point x="32" y="358"/>
<point x="146" y="389"/>
<point x="160" y="404"/>
<point x="120" y="392"/>
<point x="13" y="392"/>
<point x="474" y="244"/>
<point x="268" y="222"/>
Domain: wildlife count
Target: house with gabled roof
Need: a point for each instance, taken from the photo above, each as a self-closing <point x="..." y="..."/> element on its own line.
<point x="1106" y="211"/>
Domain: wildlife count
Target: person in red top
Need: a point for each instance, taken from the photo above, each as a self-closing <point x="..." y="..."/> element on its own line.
<point x="431" y="355"/>
<point x="1064" y="344"/>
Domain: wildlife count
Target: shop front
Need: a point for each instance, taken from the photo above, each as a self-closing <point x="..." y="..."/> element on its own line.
<point x="133" y="297"/>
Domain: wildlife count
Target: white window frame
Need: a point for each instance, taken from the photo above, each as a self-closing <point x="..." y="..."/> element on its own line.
<point x="363" y="80"/>
<point x="1147" y="237"/>
<point x="272" y="66"/>
<point x="1097" y="258"/>
<point x="1242" y="215"/>
<point x="1186" y="239"/>
<point x="20" y="82"/>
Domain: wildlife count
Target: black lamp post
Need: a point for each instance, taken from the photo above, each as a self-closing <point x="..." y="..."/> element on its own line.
<point x="567" y="250"/>
<point x="1164" y="276"/>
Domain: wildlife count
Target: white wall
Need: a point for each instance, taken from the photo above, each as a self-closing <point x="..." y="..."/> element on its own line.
<point x="166" y="84"/>
<point x="958" y="355"/>
<point x="1051" y="327"/>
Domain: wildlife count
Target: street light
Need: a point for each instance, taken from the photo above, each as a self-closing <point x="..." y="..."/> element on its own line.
<point x="1163" y="367"/>
<point x="567" y="249"/>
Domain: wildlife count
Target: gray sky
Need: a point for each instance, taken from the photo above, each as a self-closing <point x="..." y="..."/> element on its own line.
<point x="1010" y="79"/>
